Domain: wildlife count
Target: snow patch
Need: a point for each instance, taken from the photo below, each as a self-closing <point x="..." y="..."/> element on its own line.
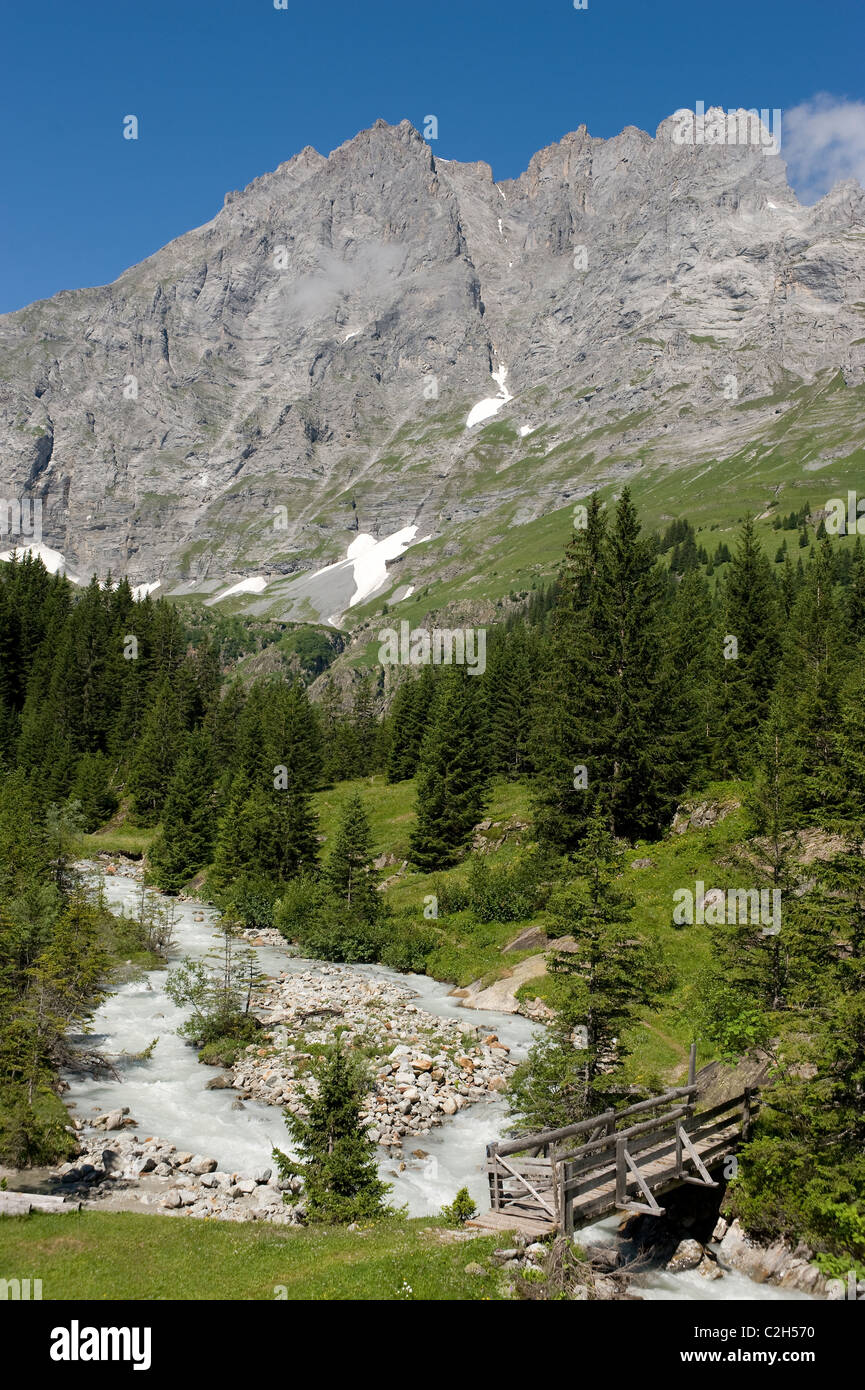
<point x="255" y="585"/>
<point x="485" y="409"/>
<point x="499" y="220"/>
<point x="54" y="562"/>
<point x="527" y="429"/>
<point x="353" y="334"/>
<point x="142" y="590"/>
<point x="370" y="560"/>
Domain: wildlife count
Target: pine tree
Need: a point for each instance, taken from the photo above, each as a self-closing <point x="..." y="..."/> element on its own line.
<point x="603" y="705"/>
<point x="451" y="784"/>
<point x="185" y="842"/>
<point x="338" y="1162"/>
<point x="745" y="674"/>
<point x="601" y="982"/>
<point x="155" y="759"/>
<point x="349" y="870"/>
<point x="809" y="693"/>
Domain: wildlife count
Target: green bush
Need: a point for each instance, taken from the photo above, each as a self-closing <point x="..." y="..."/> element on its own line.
<point x="335" y="934"/>
<point x="33" y="1134"/>
<point x="493" y="892"/>
<point x="460" y="1210"/>
<point x="251" y="902"/>
<point x="319" y="923"/>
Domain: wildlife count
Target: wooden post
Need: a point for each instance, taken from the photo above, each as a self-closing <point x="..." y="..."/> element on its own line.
<point x="495" y="1180"/>
<point x="566" y="1172"/>
<point x="746" y="1113"/>
<point x="621" y="1172"/>
<point x="678" y="1150"/>
<point x="692" y="1076"/>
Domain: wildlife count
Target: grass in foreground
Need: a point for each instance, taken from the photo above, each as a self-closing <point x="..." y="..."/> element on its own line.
<point x="121" y="1255"/>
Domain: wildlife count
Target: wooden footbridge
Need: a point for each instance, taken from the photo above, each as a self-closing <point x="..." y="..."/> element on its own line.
<point x="622" y="1160"/>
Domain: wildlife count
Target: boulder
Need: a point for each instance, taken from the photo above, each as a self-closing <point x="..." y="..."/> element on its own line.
<point x="774" y="1264"/>
<point x="688" y="1255"/>
<point x="113" y="1120"/>
<point x="199" y="1165"/>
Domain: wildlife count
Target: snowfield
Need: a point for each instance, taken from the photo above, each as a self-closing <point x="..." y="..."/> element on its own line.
<point x="485" y="409"/>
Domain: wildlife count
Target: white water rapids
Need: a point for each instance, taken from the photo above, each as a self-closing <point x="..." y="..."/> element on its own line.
<point x="167" y="1098"/>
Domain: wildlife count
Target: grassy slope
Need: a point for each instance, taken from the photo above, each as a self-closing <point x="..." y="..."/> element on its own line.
<point x="661" y="1043"/>
<point x="809" y="450"/>
<point x="85" y="1255"/>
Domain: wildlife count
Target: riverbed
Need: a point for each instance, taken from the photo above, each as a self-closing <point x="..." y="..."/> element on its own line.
<point x="167" y="1096"/>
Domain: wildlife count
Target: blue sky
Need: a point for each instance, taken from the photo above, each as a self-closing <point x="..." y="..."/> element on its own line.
<point x="227" y="89"/>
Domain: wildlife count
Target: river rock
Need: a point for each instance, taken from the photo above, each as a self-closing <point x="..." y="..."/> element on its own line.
<point x="113" y="1120"/>
<point x="688" y="1255"/>
<point x="268" y="1197"/>
<point x="199" y="1165"/>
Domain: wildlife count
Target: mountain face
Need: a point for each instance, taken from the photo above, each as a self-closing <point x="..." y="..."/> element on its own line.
<point x="295" y="378"/>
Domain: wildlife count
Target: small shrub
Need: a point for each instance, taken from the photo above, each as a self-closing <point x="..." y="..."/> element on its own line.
<point x="460" y="1210"/>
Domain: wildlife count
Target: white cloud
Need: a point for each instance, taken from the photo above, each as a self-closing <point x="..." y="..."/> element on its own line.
<point x="823" y="142"/>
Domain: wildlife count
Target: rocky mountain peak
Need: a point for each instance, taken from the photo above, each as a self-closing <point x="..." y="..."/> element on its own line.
<point x="312" y="356"/>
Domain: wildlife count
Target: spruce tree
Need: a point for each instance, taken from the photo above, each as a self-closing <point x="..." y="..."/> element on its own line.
<point x="402" y="753"/>
<point x="576" y="1070"/>
<point x="349" y="870"/>
<point x="92" y="788"/>
<point x="451" y="785"/>
<point x="559" y="745"/>
<point x="512" y="665"/>
<point x="337" y="1158"/>
<point x="809" y="693"/>
<point x="154" y="762"/>
<point x="611" y="971"/>
<point x="604" y="726"/>
<point x="185" y="842"/>
<point x="854" y="605"/>
<point x="747" y="651"/>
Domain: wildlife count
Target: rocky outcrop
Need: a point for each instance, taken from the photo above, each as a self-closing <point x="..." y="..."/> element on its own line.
<point x="775" y="1264"/>
<point x="301" y="369"/>
<point x="699" y="815"/>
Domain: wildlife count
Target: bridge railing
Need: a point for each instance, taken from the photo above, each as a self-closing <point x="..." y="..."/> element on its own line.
<point x="674" y="1146"/>
<point x="556" y="1171"/>
<point x="530" y="1165"/>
